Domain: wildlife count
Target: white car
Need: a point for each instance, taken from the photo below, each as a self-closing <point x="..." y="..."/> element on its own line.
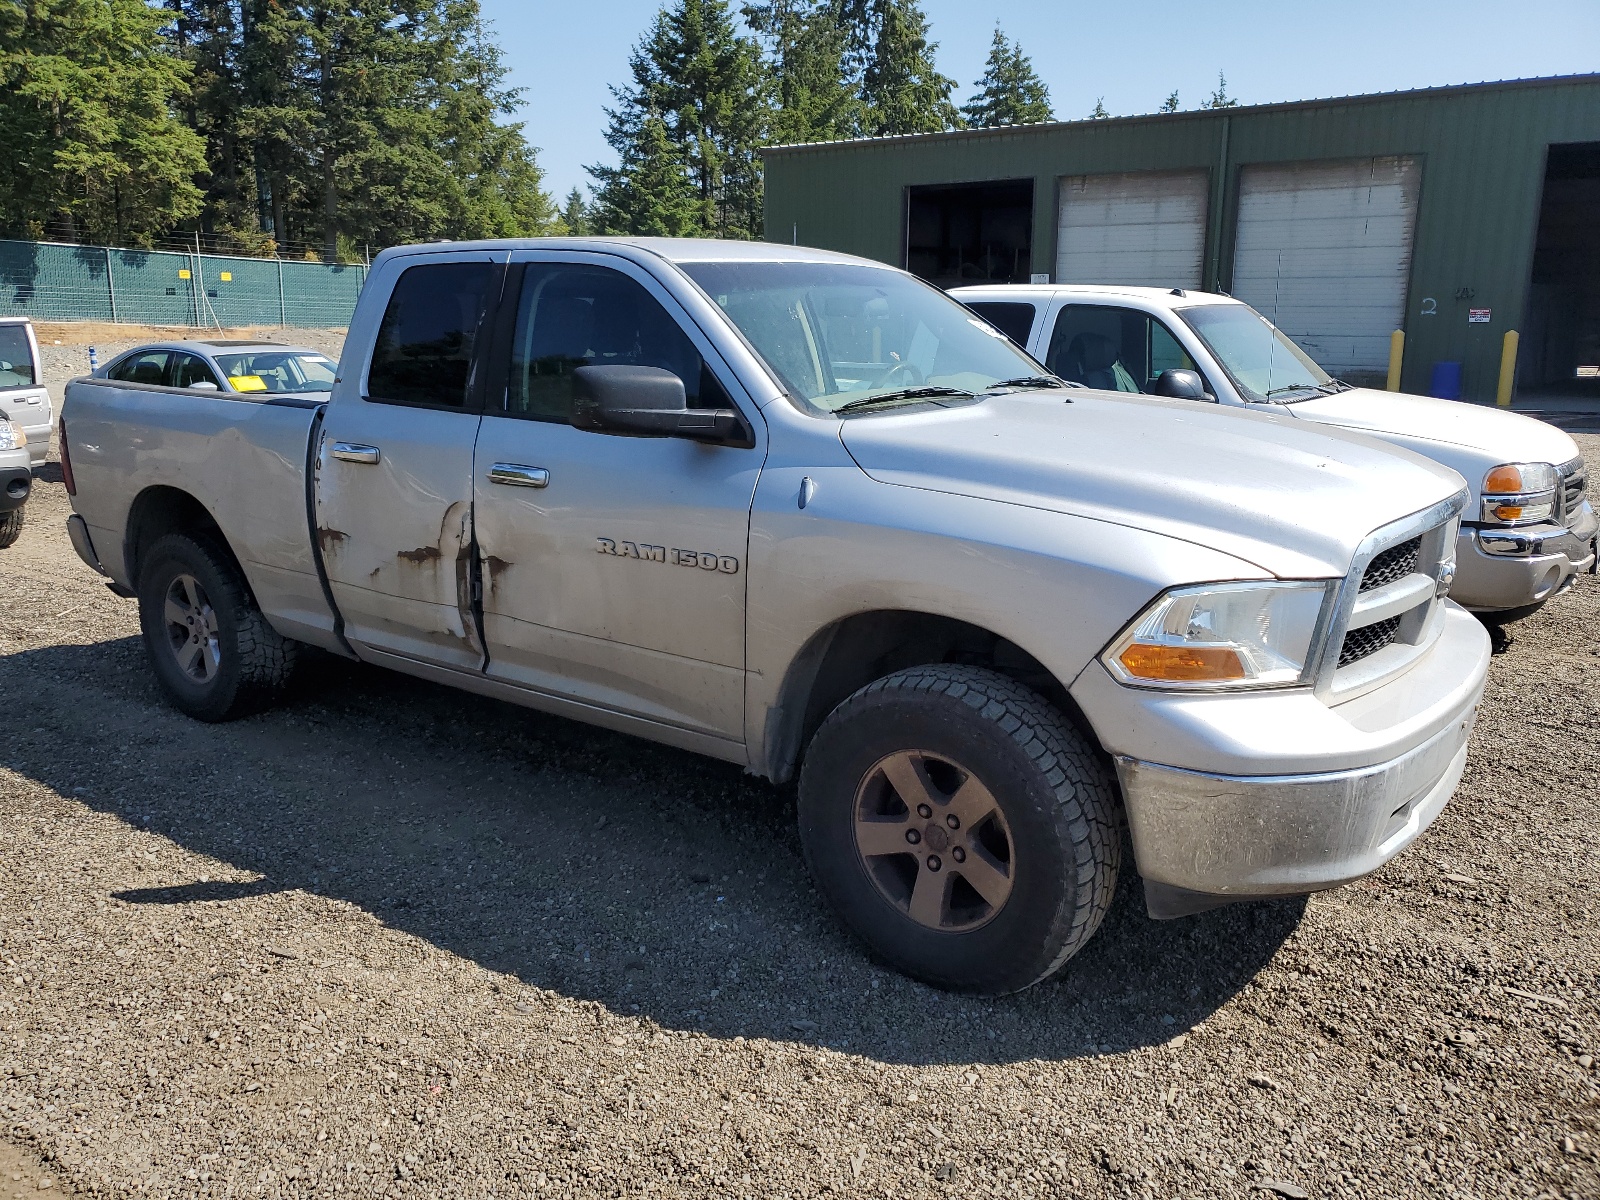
<point x="1530" y="530"/>
<point x="23" y="399"/>
<point x="16" y="480"/>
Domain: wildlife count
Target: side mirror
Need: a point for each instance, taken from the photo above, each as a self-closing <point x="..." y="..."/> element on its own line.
<point x="203" y="385"/>
<point x="646" y="402"/>
<point x="1182" y="385"/>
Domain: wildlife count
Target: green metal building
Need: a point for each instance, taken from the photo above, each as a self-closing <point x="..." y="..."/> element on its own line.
<point x="1455" y="214"/>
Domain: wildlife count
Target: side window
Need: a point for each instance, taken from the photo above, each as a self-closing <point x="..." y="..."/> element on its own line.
<point x="1011" y="318"/>
<point x="149" y="367"/>
<point x="1166" y="354"/>
<point x="572" y="316"/>
<point x="423" y="354"/>
<point x="189" y="369"/>
<point x="1114" y="349"/>
<point x="16" y="357"/>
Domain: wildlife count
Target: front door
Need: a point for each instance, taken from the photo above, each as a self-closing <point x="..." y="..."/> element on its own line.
<point x="394" y="473"/>
<point x="614" y="567"/>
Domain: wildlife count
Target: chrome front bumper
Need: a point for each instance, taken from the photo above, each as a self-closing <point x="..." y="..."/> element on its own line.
<point x="1288" y="795"/>
<point x="1499" y="569"/>
<point x="1273" y="835"/>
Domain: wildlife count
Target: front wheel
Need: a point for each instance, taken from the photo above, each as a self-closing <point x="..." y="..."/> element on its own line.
<point x="961" y="827"/>
<point x="10" y="527"/>
<point x="213" y="653"/>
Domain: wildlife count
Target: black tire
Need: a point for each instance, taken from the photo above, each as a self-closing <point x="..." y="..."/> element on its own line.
<point x="235" y="663"/>
<point x="10" y="527"/>
<point x="1059" y="823"/>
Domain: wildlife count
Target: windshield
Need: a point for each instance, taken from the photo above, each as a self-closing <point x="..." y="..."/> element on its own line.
<point x="1261" y="361"/>
<point x="839" y="333"/>
<point x="278" y="371"/>
<point x="16" y="357"/>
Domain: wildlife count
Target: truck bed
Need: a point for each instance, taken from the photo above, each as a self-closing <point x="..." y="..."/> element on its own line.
<point x="245" y="461"/>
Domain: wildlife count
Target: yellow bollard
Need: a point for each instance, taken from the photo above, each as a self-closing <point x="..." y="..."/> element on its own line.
<point x="1397" y="352"/>
<point x="1508" y="369"/>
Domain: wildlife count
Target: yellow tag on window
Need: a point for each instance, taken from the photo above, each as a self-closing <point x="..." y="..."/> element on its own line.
<point x="227" y="277"/>
<point x="247" y="383"/>
<point x="183" y="273"/>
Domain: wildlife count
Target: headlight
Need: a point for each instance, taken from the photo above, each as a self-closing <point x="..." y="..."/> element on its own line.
<point x="11" y="436"/>
<point x="1520" y="493"/>
<point x="1222" y="635"/>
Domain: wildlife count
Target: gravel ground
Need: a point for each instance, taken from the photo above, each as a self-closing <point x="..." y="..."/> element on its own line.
<point x="392" y="939"/>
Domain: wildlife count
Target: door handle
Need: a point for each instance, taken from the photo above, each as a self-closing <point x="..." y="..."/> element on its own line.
<point x="355" y="452"/>
<point x="516" y="475"/>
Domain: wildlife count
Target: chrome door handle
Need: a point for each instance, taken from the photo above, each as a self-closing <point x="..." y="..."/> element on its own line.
<point x="516" y="475"/>
<point x="355" y="452"/>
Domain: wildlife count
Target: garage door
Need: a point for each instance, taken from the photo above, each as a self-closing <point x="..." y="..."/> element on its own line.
<point x="1146" y="228"/>
<point x="1324" y="250"/>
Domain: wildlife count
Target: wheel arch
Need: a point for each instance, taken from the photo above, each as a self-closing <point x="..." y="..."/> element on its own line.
<point x="855" y="650"/>
<point x="162" y="509"/>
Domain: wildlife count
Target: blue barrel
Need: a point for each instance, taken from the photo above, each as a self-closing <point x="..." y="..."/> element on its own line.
<point x="1446" y="383"/>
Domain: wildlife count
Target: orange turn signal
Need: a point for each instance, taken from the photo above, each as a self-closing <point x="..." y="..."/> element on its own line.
<point x="1181" y="664"/>
<point x="1508" y="512"/>
<point x="1504" y="479"/>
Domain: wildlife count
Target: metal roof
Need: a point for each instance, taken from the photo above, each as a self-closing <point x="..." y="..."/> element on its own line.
<point x="1191" y="114"/>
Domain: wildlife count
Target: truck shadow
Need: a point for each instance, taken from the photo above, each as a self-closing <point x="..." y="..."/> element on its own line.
<point x="588" y="863"/>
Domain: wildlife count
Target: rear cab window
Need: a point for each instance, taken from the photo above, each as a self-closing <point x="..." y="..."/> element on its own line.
<point x="425" y="347"/>
<point x="1013" y="318"/>
<point x="17" y="368"/>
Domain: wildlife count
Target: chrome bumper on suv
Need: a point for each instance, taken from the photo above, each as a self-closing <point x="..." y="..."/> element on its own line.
<point x="1500" y="568"/>
<point x="1296" y="790"/>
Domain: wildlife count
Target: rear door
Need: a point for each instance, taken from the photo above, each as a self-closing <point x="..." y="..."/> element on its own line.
<point x="614" y="567"/>
<point x="394" y="471"/>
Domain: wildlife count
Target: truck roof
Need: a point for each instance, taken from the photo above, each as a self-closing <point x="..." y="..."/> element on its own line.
<point x="1157" y="296"/>
<point x="672" y="249"/>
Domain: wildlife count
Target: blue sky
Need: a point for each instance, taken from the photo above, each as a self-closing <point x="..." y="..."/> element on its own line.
<point x="565" y="54"/>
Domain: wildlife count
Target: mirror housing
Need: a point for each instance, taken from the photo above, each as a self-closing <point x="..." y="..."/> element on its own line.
<point x="203" y="385"/>
<point x="647" y="402"/>
<point x="1182" y="385"/>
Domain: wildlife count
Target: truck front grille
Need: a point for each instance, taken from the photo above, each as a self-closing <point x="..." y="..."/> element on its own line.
<point x="1574" y="480"/>
<point x="1369" y="639"/>
<point x="1394" y="563"/>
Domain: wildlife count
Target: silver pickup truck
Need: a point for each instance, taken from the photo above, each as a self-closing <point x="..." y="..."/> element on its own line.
<point x="804" y="513"/>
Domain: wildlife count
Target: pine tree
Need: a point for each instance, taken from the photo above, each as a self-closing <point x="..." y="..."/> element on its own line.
<point x="1099" y="113"/>
<point x="383" y="123"/>
<point x="90" y="135"/>
<point x="650" y="194"/>
<point x="1220" y="97"/>
<point x="705" y="86"/>
<point x="575" y="215"/>
<point x="901" y="89"/>
<point x="807" y="45"/>
<point x="1010" y="92"/>
<point x="1170" y="104"/>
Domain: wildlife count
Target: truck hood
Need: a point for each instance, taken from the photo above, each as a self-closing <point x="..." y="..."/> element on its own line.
<point x="1290" y="497"/>
<point x="1467" y="438"/>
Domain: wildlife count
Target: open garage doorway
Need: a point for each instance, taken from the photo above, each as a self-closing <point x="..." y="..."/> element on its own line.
<point x="1560" y="351"/>
<point x="970" y="232"/>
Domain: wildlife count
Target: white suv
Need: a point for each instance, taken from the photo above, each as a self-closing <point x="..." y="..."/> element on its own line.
<point x="1530" y="530"/>
<point x="23" y="399"/>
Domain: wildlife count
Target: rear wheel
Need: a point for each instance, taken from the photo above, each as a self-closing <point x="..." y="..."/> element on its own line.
<point x="10" y="527"/>
<point x="961" y="827"/>
<point x="213" y="653"/>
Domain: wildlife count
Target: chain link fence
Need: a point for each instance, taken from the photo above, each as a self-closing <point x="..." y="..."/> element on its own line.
<point x="59" y="282"/>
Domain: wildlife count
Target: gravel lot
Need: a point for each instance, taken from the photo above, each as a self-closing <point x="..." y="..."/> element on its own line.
<point x="393" y="939"/>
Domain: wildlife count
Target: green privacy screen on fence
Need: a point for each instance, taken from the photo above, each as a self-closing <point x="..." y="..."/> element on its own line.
<point x="52" y="282"/>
